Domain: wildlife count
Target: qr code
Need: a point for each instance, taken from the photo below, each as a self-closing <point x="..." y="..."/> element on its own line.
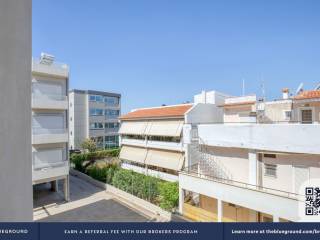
<point x="312" y="201"/>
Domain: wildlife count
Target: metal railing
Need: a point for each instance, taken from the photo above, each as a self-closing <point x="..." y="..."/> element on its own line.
<point x="197" y="170"/>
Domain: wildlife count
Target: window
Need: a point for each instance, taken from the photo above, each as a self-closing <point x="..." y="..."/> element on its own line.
<point x="133" y="137"/>
<point x="70" y="133"/>
<point x="96" y="112"/>
<point x="164" y="139"/>
<point x="306" y="116"/>
<point x="112" y="113"/>
<point x="287" y="114"/>
<point x="92" y="98"/>
<point x="268" y="155"/>
<point x="270" y="170"/>
<point x="70" y="119"/>
<point x="111" y="125"/>
<point x="111" y="101"/>
<point x="96" y="98"/>
<point x="111" y="141"/>
<point x="96" y="125"/>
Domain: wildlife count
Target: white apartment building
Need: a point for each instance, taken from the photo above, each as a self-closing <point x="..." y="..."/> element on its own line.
<point x="152" y="138"/>
<point x="94" y="115"/>
<point x="49" y="122"/>
<point x="251" y="167"/>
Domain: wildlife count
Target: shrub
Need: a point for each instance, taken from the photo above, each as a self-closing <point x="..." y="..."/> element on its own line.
<point x="169" y="195"/>
<point x="83" y="160"/>
<point x="103" y="171"/>
<point x="137" y="184"/>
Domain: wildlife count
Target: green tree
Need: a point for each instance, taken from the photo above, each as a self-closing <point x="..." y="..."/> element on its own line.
<point x="89" y="145"/>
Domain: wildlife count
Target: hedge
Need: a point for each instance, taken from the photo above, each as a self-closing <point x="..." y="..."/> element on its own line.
<point x="140" y="185"/>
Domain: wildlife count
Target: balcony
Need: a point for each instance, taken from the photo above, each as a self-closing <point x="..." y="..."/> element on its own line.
<point x="133" y="142"/>
<point x="175" y="146"/>
<point x="45" y="174"/>
<point x="284" y="137"/>
<point x="50" y="101"/>
<point x="46" y="136"/>
<point x="54" y="69"/>
<point x="199" y="179"/>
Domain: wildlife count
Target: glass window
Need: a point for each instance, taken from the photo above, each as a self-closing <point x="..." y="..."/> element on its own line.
<point x="111" y="101"/>
<point x="112" y="113"/>
<point x="111" y="125"/>
<point x="270" y="170"/>
<point x="96" y="112"/>
<point x="96" y="98"/>
<point x="92" y="98"/>
<point x="96" y="125"/>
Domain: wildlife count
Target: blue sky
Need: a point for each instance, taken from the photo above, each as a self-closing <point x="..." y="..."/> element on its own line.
<point x="157" y="52"/>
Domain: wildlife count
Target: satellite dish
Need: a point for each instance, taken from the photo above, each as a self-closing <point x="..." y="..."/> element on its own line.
<point x="299" y="88"/>
<point x="317" y="87"/>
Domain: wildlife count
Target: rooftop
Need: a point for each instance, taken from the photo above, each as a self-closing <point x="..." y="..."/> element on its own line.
<point x="308" y="95"/>
<point x="173" y="111"/>
<point x="94" y="92"/>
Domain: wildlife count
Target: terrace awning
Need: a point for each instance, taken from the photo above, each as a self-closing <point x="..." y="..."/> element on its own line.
<point x="133" y="127"/>
<point x="164" y="128"/>
<point x="134" y="154"/>
<point x="165" y="159"/>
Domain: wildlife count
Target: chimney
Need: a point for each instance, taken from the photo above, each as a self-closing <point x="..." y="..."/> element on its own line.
<point x="285" y="93"/>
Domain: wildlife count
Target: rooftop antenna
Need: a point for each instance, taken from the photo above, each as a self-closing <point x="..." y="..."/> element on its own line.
<point x="299" y="89"/>
<point x="243" y="87"/>
<point x="317" y="87"/>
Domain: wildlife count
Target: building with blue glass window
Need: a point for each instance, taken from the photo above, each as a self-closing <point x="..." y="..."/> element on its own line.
<point x="94" y="115"/>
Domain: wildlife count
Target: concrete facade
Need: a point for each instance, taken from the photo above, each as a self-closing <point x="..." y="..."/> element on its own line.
<point x="15" y="106"/>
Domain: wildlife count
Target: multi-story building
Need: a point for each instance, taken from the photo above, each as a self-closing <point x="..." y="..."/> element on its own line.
<point x="252" y="167"/>
<point x="152" y="138"/>
<point x="94" y="115"/>
<point x="49" y="122"/>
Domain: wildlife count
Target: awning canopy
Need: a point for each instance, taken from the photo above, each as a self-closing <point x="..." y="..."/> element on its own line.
<point x="133" y="127"/>
<point x="134" y="154"/>
<point x="164" y="128"/>
<point x="165" y="159"/>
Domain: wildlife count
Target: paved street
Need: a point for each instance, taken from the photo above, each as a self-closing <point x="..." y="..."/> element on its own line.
<point x="88" y="203"/>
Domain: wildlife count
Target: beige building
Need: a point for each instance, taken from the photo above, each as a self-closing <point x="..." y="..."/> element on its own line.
<point x="152" y="139"/>
<point x="251" y="167"/>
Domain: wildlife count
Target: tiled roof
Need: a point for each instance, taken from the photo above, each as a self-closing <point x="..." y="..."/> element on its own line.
<point x="238" y="104"/>
<point x="308" y="94"/>
<point x="158" y="112"/>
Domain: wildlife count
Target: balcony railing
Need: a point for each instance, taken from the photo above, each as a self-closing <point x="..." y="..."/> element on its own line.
<point x="199" y="171"/>
<point x="41" y="162"/>
<point x="289" y="137"/>
<point x="50" y="97"/>
<point x="56" y="68"/>
<point x="42" y="131"/>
